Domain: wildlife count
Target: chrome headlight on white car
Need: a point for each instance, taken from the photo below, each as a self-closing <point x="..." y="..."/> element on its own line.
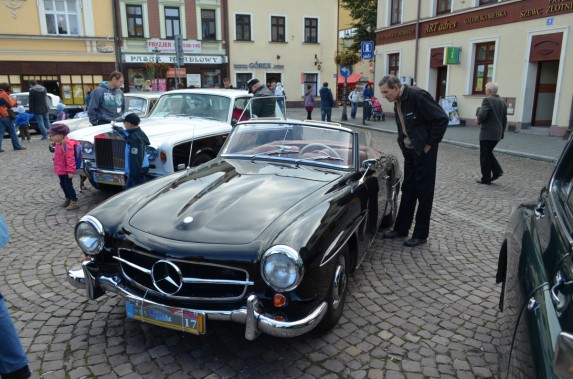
<point x="89" y="235"/>
<point x="87" y="147"/>
<point x="151" y="153"/>
<point x="282" y="268"/>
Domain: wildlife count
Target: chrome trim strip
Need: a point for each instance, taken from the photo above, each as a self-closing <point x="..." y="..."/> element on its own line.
<point x="562" y="225"/>
<point x="133" y="265"/>
<point x="218" y="281"/>
<point x="250" y="315"/>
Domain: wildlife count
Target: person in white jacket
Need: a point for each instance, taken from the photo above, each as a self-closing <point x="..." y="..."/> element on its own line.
<point x="354" y="98"/>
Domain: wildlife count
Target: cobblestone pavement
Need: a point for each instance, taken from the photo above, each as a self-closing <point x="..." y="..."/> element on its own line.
<point x="426" y="312"/>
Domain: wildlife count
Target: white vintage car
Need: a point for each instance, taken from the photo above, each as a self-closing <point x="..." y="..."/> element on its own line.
<point x="186" y="128"/>
<point x="138" y="102"/>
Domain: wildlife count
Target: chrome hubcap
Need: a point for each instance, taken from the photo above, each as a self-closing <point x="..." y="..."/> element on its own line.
<point x="339" y="284"/>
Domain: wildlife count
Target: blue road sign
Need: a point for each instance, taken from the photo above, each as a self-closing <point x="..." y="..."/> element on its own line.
<point x="367" y="49"/>
<point x="345" y="71"/>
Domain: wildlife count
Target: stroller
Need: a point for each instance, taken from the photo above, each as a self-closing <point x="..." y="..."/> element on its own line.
<point x="377" y="113"/>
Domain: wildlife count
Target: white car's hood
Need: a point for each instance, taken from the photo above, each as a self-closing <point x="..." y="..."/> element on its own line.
<point x="158" y="129"/>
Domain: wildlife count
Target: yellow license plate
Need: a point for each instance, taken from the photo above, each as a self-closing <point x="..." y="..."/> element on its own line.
<point x="168" y="317"/>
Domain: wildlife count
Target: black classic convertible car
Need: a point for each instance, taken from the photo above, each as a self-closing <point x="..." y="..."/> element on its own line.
<point x="536" y="271"/>
<point x="264" y="235"/>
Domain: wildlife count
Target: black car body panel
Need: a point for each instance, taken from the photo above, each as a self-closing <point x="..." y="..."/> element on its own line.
<point x="536" y="269"/>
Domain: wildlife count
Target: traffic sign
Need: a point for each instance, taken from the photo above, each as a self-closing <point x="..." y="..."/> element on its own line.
<point x="367" y="49"/>
<point x="345" y="71"/>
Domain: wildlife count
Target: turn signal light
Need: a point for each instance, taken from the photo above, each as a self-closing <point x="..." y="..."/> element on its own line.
<point x="279" y="318"/>
<point x="163" y="156"/>
<point x="279" y="300"/>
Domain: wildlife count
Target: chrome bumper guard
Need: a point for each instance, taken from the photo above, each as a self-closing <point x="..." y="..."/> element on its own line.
<point x="85" y="276"/>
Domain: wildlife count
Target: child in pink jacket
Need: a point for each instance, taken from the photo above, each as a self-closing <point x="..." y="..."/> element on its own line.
<point x="64" y="162"/>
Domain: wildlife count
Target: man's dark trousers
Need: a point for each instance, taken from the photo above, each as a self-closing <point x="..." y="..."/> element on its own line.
<point x="488" y="163"/>
<point x="417" y="187"/>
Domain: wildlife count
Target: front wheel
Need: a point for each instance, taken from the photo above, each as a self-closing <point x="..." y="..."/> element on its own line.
<point x="336" y="297"/>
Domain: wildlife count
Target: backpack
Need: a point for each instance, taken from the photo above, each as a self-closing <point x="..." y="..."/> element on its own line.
<point x="78" y="154"/>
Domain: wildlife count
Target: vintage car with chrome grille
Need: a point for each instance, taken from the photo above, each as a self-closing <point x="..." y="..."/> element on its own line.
<point x="264" y="235"/>
<point x="140" y="103"/>
<point x="186" y="128"/>
<point x="536" y="271"/>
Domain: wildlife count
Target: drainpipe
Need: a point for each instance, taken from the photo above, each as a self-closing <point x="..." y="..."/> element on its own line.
<point x="227" y="43"/>
<point x="117" y="37"/>
<point x="417" y="42"/>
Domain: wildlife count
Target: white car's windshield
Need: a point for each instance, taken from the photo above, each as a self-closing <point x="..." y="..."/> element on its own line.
<point x="300" y="143"/>
<point x="193" y="105"/>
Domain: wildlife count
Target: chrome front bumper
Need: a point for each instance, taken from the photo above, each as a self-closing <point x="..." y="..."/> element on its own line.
<point x="85" y="276"/>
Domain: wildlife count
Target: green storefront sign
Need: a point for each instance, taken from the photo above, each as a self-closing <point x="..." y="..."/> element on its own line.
<point x="452" y="55"/>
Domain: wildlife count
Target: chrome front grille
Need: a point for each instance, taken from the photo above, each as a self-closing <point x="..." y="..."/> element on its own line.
<point x="109" y="153"/>
<point x="200" y="281"/>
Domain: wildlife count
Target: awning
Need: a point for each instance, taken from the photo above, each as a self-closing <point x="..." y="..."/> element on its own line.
<point x="353" y="79"/>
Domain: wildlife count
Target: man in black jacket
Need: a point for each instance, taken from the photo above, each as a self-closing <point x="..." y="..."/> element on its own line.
<point x="261" y="107"/>
<point x="421" y="125"/>
<point x="39" y="107"/>
<point x="492" y="116"/>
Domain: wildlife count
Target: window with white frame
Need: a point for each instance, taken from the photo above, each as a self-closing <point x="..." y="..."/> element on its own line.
<point x="208" y="25"/>
<point x="395" y="12"/>
<point x="61" y="17"/>
<point x="278" y="29"/>
<point x="311" y="30"/>
<point x="134" y="15"/>
<point x="393" y="64"/>
<point x="312" y="79"/>
<point x="443" y="7"/>
<point x="241" y="79"/>
<point x="483" y="66"/>
<point x="243" y="27"/>
<point x="172" y="22"/>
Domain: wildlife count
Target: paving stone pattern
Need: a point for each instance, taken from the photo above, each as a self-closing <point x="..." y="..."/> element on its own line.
<point x="426" y="312"/>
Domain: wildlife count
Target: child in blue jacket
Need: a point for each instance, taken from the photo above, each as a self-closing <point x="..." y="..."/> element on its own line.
<point x="22" y="122"/>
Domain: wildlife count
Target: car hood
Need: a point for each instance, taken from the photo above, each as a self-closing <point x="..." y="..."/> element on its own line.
<point x="233" y="205"/>
<point x="158" y="128"/>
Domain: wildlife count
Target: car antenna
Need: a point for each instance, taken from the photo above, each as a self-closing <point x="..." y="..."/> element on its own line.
<point x="191" y="148"/>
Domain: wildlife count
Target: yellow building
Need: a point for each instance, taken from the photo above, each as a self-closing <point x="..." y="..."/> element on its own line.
<point x="292" y="42"/>
<point x="67" y="45"/>
<point x="452" y="48"/>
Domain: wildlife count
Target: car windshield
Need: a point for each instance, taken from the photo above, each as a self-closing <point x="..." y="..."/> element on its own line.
<point x="21" y="99"/>
<point x="298" y="143"/>
<point x="193" y="105"/>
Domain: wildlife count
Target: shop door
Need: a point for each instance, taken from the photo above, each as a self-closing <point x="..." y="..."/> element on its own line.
<point x="545" y="88"/>
<point x="441" y="82"/>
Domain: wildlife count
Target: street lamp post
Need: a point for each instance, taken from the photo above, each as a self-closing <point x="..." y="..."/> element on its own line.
<point x="344" y="115"/>
<point x="156" y="51"/>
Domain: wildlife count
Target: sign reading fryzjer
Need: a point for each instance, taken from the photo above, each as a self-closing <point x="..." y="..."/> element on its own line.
<point x="189" y="59"/>
<point x="168" y="45"/>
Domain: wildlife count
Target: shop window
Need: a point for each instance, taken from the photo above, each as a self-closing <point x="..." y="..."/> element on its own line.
<point x="134" y="20"/>
<point x="242" y="79"/>
<point x="444" y="6"/>
<point x="311" y="79"/>
<point x="242" y="27"/>
<point x="278" y="29"/>
<point x="211" y="78"/>
<point x="483" y="66"/>
<point x="395" y="12"/>
<point x="208" y="25"/>
<point x="172" y="22"/>
<point x="311" y="30"/>
<point x="61" y="17"/>
<point x="393" y="64"/>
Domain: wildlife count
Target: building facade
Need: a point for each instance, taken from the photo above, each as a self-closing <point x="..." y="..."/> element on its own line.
<point x="292" y="42"/>
<point x="68" y="45"/>
<point x="452" y="48"/>
<point x="147" y="30"/>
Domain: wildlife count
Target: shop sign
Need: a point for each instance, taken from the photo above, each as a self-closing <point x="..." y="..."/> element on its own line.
<point x="452" y="55"/>
<point x="170" y="59"/>
<point x="173" y="72"/>
<point x="194" y="80"/>
<point x="168" y="45"/>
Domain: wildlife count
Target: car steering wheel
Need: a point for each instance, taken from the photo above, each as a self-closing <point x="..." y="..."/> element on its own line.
<point x="319" y="146"/>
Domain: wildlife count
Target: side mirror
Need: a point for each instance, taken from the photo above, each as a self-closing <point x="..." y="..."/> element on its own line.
<point x="563" y="360"/>
<point x="367" y="163"/>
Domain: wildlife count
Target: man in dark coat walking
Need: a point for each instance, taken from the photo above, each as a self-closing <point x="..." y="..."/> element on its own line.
<point x="326" y="102"/>
<point x="39" y="107"/>
<point x="492" y="116"/>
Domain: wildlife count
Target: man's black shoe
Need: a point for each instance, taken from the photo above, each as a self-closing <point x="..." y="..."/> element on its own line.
<point x="482" y="182"/>
<point x="413" y="242"/>
<point x="392" y="234"/>
<point x="495" y="177"/>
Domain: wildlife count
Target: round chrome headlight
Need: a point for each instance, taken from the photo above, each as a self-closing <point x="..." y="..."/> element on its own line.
<point x="89" y="235"/>
<point x="151" y="153"/>
<point x="88" y="147"/>
<point x="282" y="268"/>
